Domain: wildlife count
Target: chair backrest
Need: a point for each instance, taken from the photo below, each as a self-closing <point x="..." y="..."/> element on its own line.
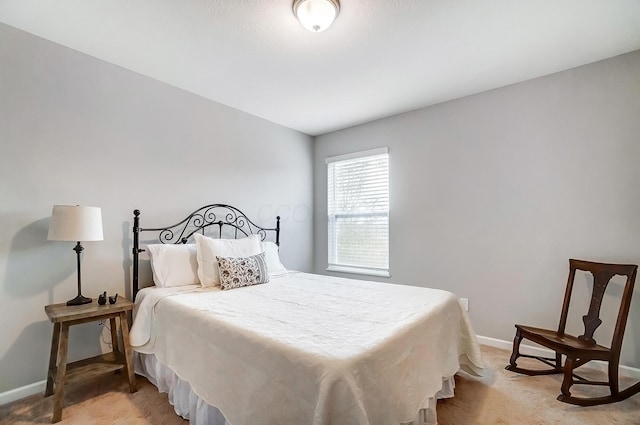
<point x="602" y="275"/>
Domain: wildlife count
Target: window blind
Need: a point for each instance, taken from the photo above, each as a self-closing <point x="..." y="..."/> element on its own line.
<point x="358" y="212"/>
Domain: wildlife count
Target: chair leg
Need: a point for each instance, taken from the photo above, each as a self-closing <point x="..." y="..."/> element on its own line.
<point x="515" y="353"/>
<point x="613" y="377"/>
<point x="567" y="382"/>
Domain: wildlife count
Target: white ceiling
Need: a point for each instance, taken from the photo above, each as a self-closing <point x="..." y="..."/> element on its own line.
<point x="380" y="57"/>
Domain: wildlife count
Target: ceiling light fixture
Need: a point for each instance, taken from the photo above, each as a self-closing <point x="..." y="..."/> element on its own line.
<point x="316" y="15"/>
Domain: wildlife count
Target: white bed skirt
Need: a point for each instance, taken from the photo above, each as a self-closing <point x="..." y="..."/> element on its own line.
<point x="190" y="406"/>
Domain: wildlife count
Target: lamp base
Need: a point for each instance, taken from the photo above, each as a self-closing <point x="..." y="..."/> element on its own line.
<point x="79" y="300"/>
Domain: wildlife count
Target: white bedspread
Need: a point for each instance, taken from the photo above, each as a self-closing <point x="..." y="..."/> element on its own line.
<point x="309" y="349"/>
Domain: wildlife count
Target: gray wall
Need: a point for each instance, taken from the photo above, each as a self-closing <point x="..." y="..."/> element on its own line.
<point x="492" y="194"/>
<point x="76" y="130"/>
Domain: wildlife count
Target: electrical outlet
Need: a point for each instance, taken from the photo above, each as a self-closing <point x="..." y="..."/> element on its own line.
<point x="464" y="302"/>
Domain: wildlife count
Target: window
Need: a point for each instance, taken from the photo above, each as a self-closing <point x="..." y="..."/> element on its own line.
<point x="358" y="212"/>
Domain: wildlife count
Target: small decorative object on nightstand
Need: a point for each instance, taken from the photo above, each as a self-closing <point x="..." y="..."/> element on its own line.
<point x="61" y="373"/>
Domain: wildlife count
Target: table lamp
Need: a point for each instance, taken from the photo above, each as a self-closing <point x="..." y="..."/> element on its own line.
<point x="76" y="223"/>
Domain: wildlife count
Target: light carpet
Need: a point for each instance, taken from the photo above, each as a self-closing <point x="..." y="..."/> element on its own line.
<point x="499" y="397"/>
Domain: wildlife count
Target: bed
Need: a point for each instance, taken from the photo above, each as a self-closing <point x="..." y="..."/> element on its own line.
<point x="296" y="348"/>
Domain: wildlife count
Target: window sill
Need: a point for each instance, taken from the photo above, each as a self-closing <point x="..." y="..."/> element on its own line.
<point x="361" y="271"/>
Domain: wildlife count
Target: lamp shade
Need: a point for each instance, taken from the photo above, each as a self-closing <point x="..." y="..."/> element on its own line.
<point x="316" y="15"/>
<point x="75" y="223"/>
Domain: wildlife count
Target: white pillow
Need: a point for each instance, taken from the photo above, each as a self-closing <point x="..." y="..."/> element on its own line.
<point x="208" y="249"/>
<point x="173" y="265"/>
<point x="272" y="257"/>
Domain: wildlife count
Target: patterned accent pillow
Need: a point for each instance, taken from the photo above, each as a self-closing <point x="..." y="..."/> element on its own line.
<point x="239" y="272"/>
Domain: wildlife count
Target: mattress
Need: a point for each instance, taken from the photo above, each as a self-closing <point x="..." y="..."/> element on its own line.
<point x="309" y="349"/>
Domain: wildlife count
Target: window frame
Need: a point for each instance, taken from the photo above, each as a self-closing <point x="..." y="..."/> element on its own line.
<point x="357" y="269"/>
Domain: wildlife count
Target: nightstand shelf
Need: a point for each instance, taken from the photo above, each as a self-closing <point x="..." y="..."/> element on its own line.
<point x="93" y="366"/>
<point x="60" y="373"/>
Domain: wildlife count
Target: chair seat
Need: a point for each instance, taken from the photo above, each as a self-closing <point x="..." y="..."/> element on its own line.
<point x="565" y="343"/>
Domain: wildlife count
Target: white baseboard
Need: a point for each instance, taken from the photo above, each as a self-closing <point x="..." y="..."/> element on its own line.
<point x="22" y="392"/>
<point x="628" y="371"/>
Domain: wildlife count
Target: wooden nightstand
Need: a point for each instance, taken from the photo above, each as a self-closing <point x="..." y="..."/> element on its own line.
<point x="61" y="373"/>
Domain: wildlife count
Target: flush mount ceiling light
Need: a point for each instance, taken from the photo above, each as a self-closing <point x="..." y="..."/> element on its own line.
<point x="316" y="15"/>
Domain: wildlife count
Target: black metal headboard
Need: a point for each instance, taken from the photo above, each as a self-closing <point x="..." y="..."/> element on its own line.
<point x="220" y="215"/>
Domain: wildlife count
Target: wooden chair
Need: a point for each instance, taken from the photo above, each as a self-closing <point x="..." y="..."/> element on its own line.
<point x="582" y="349"/>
